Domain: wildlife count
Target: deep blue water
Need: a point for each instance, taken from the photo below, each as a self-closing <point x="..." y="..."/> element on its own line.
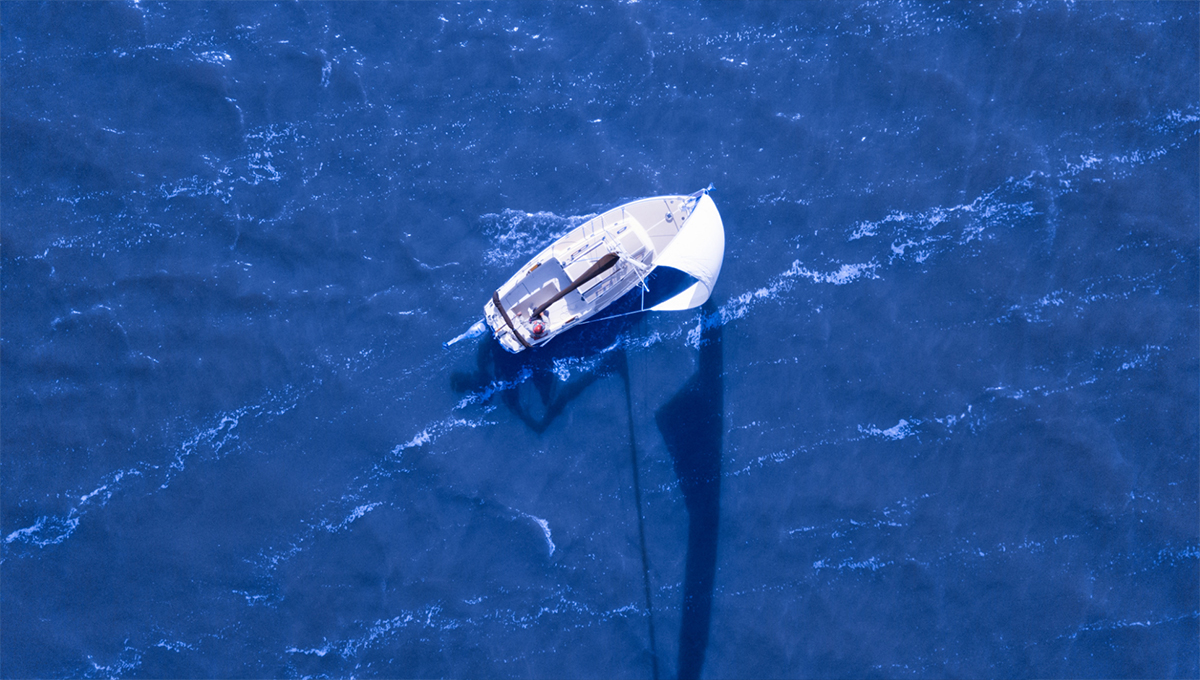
<point x="940" y="419"/>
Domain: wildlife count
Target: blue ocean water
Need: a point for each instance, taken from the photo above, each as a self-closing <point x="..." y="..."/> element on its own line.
<point x="941" y="417"/>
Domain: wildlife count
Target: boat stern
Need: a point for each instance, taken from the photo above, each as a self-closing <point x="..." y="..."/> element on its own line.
<point x="502" y="330"/>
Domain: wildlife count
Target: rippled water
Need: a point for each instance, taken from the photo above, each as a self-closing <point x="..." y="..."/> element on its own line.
<point x="939" y="419"/>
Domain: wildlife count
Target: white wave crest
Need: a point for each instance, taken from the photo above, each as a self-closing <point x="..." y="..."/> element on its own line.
<point x="896" y="432"/>
<point x="432" y="432"/>
<point x="47" y="530"/>
<point x="545" y="526"/>
<point x="354" y="515"/>
<point x="516" y="235"/>
<point x="741" y="305"/>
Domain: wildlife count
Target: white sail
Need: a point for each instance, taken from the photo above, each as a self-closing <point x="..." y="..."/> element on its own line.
<point x="699" y="250"/>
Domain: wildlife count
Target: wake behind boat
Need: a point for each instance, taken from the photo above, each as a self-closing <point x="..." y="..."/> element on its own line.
<point x="601" y="260"/>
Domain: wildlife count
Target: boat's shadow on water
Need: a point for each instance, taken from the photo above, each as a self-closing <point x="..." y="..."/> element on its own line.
<point x="500" y="370"/>
<point x="691" y="424"/>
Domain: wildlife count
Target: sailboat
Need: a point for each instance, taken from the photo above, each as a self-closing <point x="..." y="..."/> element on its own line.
<point x="600" y="261"/>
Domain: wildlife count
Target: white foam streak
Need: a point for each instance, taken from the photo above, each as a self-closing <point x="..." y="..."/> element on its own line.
<point x="428" y="618"/>
<point x="906" y="427"/>
<point x="219" y="440"/>
<point x="516" y="235"/>
<point x="1107" y="360"/>
<point x="487" y="392"/>
<point x="1126" y="623"/>
<point x="1061" y="301"/>
<point x="741" y="305"/>
<point x="565" y="367"/>
<point x="432" y="432"/>
<point x="477" y="329"/>
<point x="252" y="599"/>
<point x="556" y="611"/>
<point x="174" y="646"/>
<point x="54" y="529"/>
<point x="872" y="564"/>
<point x="47" y="530"/>
<point x="919" y="235"/>
<point x="215" y="441"/>
<point x="896" y="432"/>
<point x="545" y="526"/>
<point x="844" y="274"/>
<point x="354" y="515"/>
<point x="123" y="666"/>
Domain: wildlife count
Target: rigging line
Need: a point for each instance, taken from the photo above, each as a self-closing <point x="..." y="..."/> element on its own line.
<point x="640" y="268"/>
<point x="616" y="316"/>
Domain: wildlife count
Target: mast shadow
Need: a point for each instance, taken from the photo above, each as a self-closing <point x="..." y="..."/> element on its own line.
<point x="692" y="426"/>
